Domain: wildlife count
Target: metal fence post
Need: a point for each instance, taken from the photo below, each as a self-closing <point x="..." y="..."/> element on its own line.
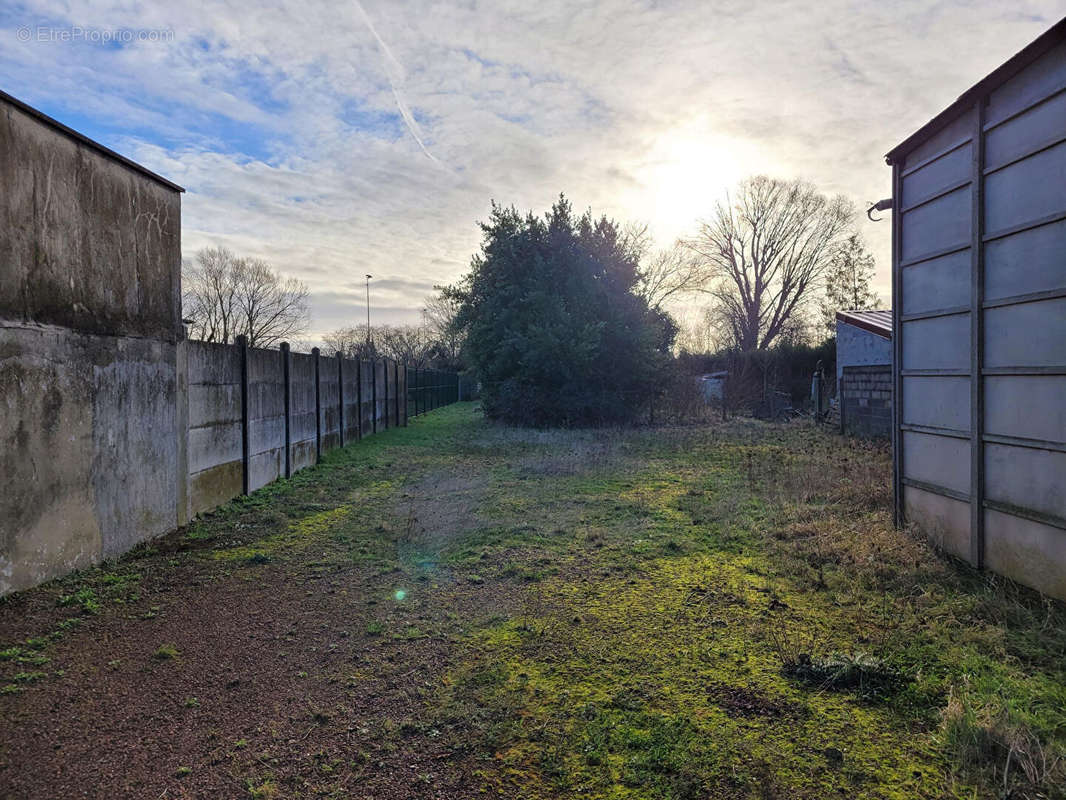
<point x="406" y="372"/>
<point x="242" y="348"/>
<point x="318" y="404"/>
<point x="286" y="362"/>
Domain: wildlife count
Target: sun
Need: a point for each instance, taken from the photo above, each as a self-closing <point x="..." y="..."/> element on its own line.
<point x="686" y="172"/>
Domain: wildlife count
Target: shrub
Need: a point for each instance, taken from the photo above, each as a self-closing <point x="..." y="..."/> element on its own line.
<point x="555" y="329"/>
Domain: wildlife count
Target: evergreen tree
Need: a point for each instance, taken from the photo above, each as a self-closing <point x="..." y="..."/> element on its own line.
<point x="555" y="328"/>
<point x="847" y="282"/>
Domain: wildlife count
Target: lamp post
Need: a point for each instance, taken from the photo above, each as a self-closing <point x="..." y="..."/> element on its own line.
<point x="368" y="277"/>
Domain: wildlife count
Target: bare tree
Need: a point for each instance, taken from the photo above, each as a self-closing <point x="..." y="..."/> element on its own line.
<point x="766" y="253"/>
<point x="410" y="344"/>
<point x="225" y="297"/>
<point x="672" y="273"/>
<point x="352" y="342"/>
<point x="438" y="317"/>
<point x="209" y="295"/>
<point x="272" y="309"/>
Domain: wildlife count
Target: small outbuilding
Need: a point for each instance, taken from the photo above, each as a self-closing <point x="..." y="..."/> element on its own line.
<point x="979" y="290"/>
<point x="864" y="373"/>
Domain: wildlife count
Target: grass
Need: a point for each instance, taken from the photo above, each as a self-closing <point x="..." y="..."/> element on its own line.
<point x="722" y="610"/>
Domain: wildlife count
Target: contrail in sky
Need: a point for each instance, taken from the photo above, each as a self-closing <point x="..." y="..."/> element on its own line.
<point x="396" y="77"/>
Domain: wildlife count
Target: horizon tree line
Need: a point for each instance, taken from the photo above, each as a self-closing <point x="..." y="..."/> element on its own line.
<point x="774" y="261"/>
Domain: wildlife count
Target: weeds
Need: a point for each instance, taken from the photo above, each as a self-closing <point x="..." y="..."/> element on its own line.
<point x="166" y="652"/>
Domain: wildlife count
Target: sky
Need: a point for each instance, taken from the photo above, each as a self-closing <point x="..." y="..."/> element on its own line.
<point x="340" y="139"/>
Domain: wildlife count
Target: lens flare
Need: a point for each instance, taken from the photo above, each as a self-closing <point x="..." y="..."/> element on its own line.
<point x="400" y="595"/>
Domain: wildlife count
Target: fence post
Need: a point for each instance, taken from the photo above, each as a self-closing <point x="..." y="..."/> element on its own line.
<point x="318" y="404"/>
<point x="340" y="398"/>
<point x="406" y="372"/>
<point x="385" y="396"/>
<point x="396" y="390"/>
<point x="286" y="363"/>
<point x="374" y="395"/>
<point x="242" y="347"/>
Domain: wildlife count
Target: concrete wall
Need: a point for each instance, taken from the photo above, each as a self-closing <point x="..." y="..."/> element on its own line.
<point x="214" y="425"/>
<point x="266" y="418"/>
<point x="303" y="425"/>
<point x="979" y="284"/>
<point x="329" y="402"/>
<point x="859" y="348"/>
<point x="866" y="401"/>
<point x="90" y="260"/>
<point x="113" y="429"/>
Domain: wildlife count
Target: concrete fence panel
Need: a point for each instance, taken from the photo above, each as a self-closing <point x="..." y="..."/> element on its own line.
<point x="266" y="417"/>
<point x="329" y="412"/>
<point x="303" y="423"/>
<point x="214" y="423"/>
<point x="352" y="403"/>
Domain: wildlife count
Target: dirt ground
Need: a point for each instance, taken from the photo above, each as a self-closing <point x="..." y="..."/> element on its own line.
<point x="459" y="609"/>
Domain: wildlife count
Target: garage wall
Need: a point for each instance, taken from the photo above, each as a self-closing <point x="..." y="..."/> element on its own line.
<point x="980" y="290"/>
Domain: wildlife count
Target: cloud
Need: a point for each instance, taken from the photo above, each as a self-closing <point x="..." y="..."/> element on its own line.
<point x="301" y="134"/>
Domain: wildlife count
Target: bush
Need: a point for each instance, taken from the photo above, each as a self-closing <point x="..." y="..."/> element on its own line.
<point x="554" y="329"/>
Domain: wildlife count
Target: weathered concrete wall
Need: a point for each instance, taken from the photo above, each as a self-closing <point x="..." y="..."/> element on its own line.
<point x="266" y="418"/>
<point x="302" y="424"/>
<point x="86" y="242"/>
<point x="366" y="373"/>
<point x="352" y="401"/>
<point x="89" y="449"/>
<point x="329" y="402"/>
<point x="90" y="261"/>
<point x="113" y="429"/>
<point x="215" y="452"/>
<point x="866" y="401"/>
<point x="860" y="348"/>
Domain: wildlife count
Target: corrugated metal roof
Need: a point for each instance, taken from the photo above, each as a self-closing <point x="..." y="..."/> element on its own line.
<point x="879" y="322"/>
<point x="1003" y="73"/>
<point x="83" y="139"/>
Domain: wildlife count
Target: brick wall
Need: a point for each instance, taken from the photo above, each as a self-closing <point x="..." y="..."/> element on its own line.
<point x="866" y="401"/>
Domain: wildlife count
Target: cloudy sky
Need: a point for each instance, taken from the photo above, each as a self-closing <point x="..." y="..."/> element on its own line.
<point x="337" y="139"/>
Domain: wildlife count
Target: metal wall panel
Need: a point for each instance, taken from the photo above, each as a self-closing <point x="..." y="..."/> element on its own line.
<point x="958" y="130"/>
<point x="1026" y="191"/>
<point x="1030" y="261"/>
<point x="1026" y="334"/>
<point x="1027" y="478"/>
<point x="936" y="226"/>
<point x="937" y="343"/>
<point x="937" y="284"/>
<point x="1030" y="552"/>
<point x="941" y="461"/>
<point x="937" y="402"/>
<point x="945" y="520"/>
<point x="1020" y="136"/>
<point x="936" y="176"/>
<point x="995" y="491"/>
<point x="1042" y="415"/>
<point x="1043" y="77"/>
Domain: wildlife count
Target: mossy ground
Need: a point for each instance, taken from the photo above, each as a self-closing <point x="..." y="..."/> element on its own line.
<point x="460" y="608"/>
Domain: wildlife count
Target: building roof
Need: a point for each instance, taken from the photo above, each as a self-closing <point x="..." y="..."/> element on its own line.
<point x="879" y="322"/>
<point x="85" y="140"/>
<point x="999" y="76"/>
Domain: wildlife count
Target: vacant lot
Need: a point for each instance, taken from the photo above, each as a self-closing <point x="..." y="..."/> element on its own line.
<point x="460" y="609"/>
